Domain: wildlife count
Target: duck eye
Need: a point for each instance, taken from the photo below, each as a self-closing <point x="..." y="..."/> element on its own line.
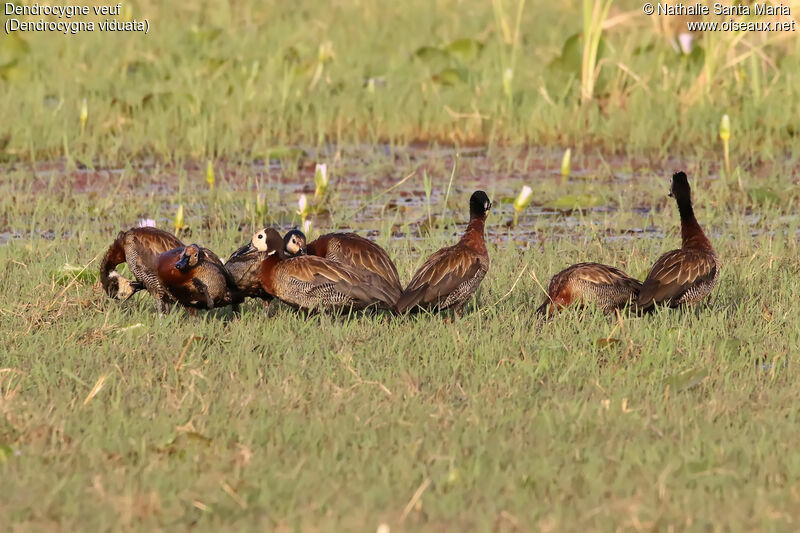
<point x="260" y="235"/>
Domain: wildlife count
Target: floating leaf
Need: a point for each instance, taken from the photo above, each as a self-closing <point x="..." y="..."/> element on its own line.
<point x="577" y="201"/>
<point x="452" y="76"/>
<point x="465" y="50"/>
<point x="687" y="379"/>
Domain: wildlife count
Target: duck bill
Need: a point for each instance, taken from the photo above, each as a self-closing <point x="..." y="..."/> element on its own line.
<point x="247" y="248"/>
<point x="182" y="263"/>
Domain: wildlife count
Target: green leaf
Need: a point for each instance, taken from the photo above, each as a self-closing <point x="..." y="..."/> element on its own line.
<point x="464" y="50"/>
<point x="430" y="54"/>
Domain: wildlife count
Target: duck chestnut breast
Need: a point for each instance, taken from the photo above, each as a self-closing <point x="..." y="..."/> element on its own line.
<point x="196" y="277"/>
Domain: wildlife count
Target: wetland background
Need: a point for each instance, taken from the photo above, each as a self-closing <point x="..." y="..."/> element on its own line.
<point x="214" y="123"/>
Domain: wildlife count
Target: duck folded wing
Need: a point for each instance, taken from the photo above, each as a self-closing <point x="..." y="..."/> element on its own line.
<point x="674" y="274"/>
<point x="444" y="272"/>
<point x="366" y="254"/>
<point x="321" y="276"/>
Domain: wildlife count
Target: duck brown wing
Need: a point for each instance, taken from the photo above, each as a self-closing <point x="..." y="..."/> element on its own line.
<point x="605" y="275"/>
<point x="674" y="274"/>
<point x="365" y="254"/>
<point x="440" y="275"/>
<point x="150" y="242"/>
<point x="321" y="275"/>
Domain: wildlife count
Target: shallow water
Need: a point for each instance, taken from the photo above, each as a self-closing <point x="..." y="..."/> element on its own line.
<point x="371" y="191"/>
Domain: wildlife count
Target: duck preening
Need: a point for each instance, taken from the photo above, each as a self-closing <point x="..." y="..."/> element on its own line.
<point x="351" y="250"/>
<point x="139" y="248"/>
<point x="196" y="278"/>
<point x="584" y="283"/>
<point x="450" y="276"/>
<point x="315" y="283"/>
<point x="244" y="266"/>
<point x="687" y="275"/>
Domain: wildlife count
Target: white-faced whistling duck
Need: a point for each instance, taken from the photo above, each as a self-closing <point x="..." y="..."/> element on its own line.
<point x="139" y="248"/>
<point x="687" y="275"/>
<point x="244" y="266"/>
<point x="315" y="283"/>
<point x="450" y="276"/>
<point x="351" y="250"/>
<point x="608" y="287"/>
<point x="196" y="278"/>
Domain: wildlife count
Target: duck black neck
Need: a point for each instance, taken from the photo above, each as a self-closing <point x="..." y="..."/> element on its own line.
<point x="686" y="210"/>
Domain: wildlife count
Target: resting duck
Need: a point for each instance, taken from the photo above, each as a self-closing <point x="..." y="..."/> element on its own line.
<point x="196" y="278"/>
<point x="687" y="275"/>
<point x="139" y="248"/>
<point x="608" y="287"/>
<point x="244" y="266"/>
<point x="315" y="283"/>
<point x="351" y="250"/>
<point x="450" y="276"/>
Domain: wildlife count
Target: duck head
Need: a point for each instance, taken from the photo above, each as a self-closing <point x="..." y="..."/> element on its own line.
<point x="258" y="243"/>
<point x="479" y="205"/>
<point x="190" y="257"/>
<point x="294" y="242"/>
<point x="680" y="189"/>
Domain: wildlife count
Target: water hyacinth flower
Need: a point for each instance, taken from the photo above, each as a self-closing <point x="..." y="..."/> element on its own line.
<point x="147" y="223"/>
<point x="321" y="180"/>
<point x="725" y="135"/>
<point x="303" y="207"/>
<point x="210" y="178"/>
<point x="179" y="219"/>
<point x="566" y="165"/>
<point x="685" y="41"/>
<point x="522" y="201"/>
<point x="84" y="114"/>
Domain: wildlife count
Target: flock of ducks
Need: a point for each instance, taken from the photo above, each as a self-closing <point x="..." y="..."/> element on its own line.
<point x="343" y="271"/>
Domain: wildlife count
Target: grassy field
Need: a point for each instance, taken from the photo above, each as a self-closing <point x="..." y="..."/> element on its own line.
<point x="114" y="419"/>
<point x="218" y="79"/>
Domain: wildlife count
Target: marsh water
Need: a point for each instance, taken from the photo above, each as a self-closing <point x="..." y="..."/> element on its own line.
<point x="378" y="190"/>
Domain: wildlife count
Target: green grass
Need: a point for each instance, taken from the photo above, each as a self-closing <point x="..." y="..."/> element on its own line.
<point x="111" y="418"/>
<point x="685" y="419"/>
<point x="218" y="80"/>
